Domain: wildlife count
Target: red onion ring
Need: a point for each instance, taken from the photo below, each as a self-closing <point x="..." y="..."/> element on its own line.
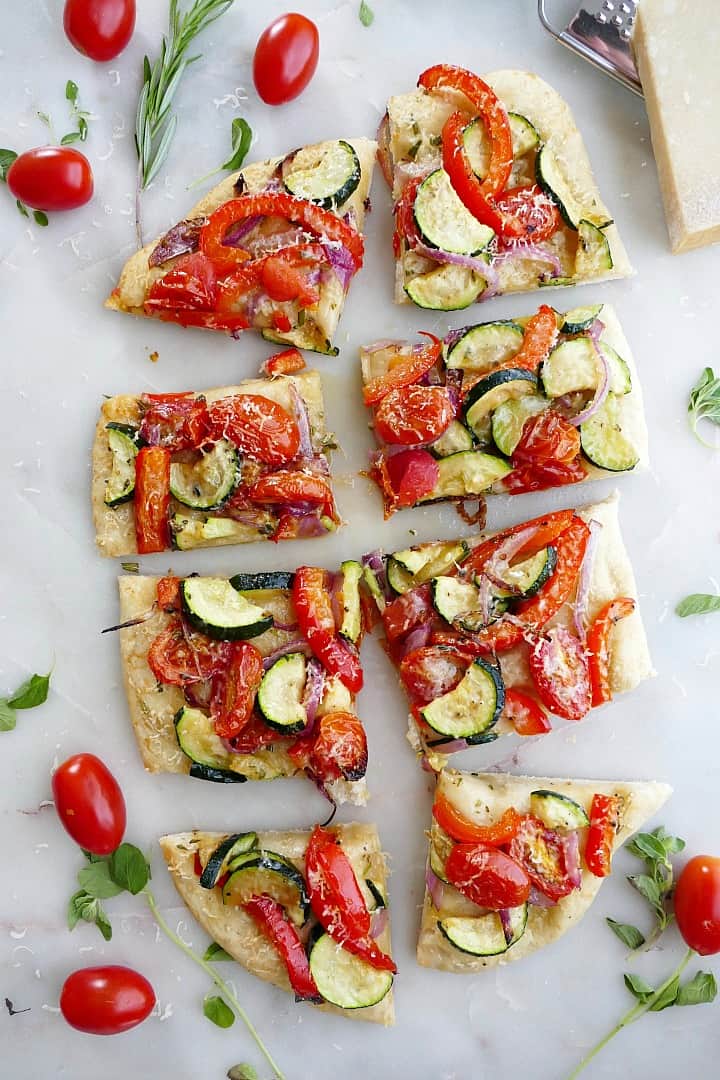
<point x="435" y="888"/>
<point x="283" y="650"/>
<point x="313" y="693"/>
<point x="539" y="899"/>
<point x="378" y="922"/>
<point x="500" y="561"/>
<point x="583" y="589"/>
<point x="602" y="390"/>
<point x="520" y="250"/>
<point x="417" y="638"/>
<point x="571" y="846"/>
<point x="302" y="417"/>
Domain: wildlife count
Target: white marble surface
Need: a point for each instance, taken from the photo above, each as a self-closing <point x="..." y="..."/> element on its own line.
<point x="61" y="351"/>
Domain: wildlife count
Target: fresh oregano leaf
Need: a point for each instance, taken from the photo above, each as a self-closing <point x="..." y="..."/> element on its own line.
<point x="366" y="13"/>
<point x="698" y="604"/>
<point x="673" y="844"/>
<point x="83" y="906"/>
<point x="33" y="692"/>
<point x="700" y="989"/>
<point x="242" y="1072"/>
<point x="129" y="868"/>
<point x="22" y="208"/>
<point x="218" y="1011"/>
<point x="71" y="90"/>
<point x="629" y="935"/>
<point x="70" y="138"/>
<point x="638" y="987"/>
<point x="216" y="952"/>
<point x="96" y="881"/>
<point x="8" y="719"/>
<point x="41" y="218"/>
<point x="704" y="404"/>
<point x="647" y="846"/>
<point x="647" y="887"/>
<point x="240" y="139"/>
<point x="6" y="159"/>
<point x="668" y="996"/>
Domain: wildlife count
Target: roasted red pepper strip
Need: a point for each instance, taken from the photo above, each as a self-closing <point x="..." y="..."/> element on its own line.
<point x="539" y="337"/>
<point x="272" y="920"/>
<point x="406" y="371"/>
<point x="286" y="486"/>
<point x="313" y="606"/>
<point x="525" y="713"/>
<point x="604" y="823"/>
<point x="152" y="499"/>
<point x="336" y="899"/>
<point x="459" y="828"/>
<point x="598" y="643"/>
<point x="168" y="594"/>
<point x="284" y="363"/>
<point x="547" y="529"/>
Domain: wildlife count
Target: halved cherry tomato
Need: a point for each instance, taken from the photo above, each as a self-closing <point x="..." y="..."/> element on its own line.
<point x="51" y="178"/>
<point x="253" y="736"/>
<point x="271" y="918"/>
<point x="542" y="476"/>
<point x="286" y="57"/>
<point x="89" y="803"/>
<point x="431" y="671"/>
<point x="285" y="277"/>
<point x="336" y="899"/>
<point x="534" y="213"/>
<point x="106" y="1000"/>
<point x="313" y="606"/>
<point x="152" y="499"/>
<point x="258" y="426"/>
<point x="598" y="643"/>
<point x="339" y="747"/>
<point x="459" y="828"/>
<point x="285" y="363"/>
<point x="487" y="876"/>
<point x="285" y="487"/>
<point x="405" y="370"/>
<point x="547" y="437"/>
<point x="99" y="29"/>
<point x="168" y="594"/>
<point x="604" y="824"/>
<point x="178" y="656"/>
<point x="547" y="529"/>
<point x="697" y="904"/>
<point x="543" y="855"/>
<point x="524" y="713"/>
<point x="414" y="414"/>
<point x="559" y="669"/>
<point x="188" y="286"/>
<point x="179" y="422"/>
<point x="407" y="611"/>
<point x="412" y="474"/>
<point x="235" y="689"/>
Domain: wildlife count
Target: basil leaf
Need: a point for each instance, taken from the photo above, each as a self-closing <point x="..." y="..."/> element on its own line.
<point x="216" y="952"/>
<point x="242" y="1072"/>
<point x="6" y="159"/>
<point x="129" y="868"/>
<point x="240" y="139"/>
<point x="638" y="987"/>
<point x="216" y="1010"/>
<point x="668" y="996"/>
<point x="698" y="604"/>
<point x="647" y="887"/>
<point x="699" y="990"/>
<point x="71" y="90"/>
<point x="33" y="692"/>
<point x="629" y="935"/>
<point x="97" y="882"/>
<point x="8" y="719"/>
<point x="366" y="14"/>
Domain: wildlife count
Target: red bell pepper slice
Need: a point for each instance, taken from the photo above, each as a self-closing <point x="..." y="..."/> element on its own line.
<point x="284" y="363"/>
<point x="336" y="899"/>
<point x="168" y="594"/>
<point x="524" y="713"/>
<point x="459" y="828"/>
<point x="286" y="486"/>
<point x="189" y="285"/>
<point x="604" y="823"/>
<point x="313" y="606"/>
<point x="539" y="337"/>
<point x="273" y="922"/>
<point x="547" y="529"/>
<point x="404" y="371"/>
<point x="598" y="643"/>
<point x="152" y="499"/>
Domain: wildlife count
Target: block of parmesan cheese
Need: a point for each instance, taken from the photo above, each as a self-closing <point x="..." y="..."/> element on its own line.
<point x="677" y="49"/>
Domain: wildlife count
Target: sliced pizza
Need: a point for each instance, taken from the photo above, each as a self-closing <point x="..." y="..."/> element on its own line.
<point x="504" y="407"/>
<point x="251" y="678"/>
<point x="515" y="861"/>
<point x="306" y="911"/>
<point x="493" y="191"/>
<point x="504" y="631"/>
<point x="225" y="466"/>
<point x="273" y="248"/>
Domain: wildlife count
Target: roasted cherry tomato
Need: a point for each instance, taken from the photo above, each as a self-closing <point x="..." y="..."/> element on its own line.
<point x="559" y="669"/>
<point x="89" y="803"/>
<point x="99" y="29"/>
<point x="313" y="605"/>
<point x="178" y="421"/>
<point x="431" y="671"/>
<point x="179" y="655"/>
<point x="339" y="748"/>
<point x="168" y="594"/>
<point x="407" y="611"/>
<point x="547" y="437"/>
<point x="697" y="904"/>
<point x="336" y="899"/>
<point x="235" y="689"/>
<point x="188" y="286"/>
<point x="411" y="475"/>
<point x="524" y="713"/>
<point x="487" y="876"/>
<point x="275" y="925"/>
<point x="285" y="363"/>
<point x="414" y="414"/>
<point x="287" y="276"/>
<point x="459" y="828"/>
<point x="106" y="1000"/>
<point x="254" y="735"/>
<point x="403" y="369"/>
<point x="285" y="487"/>
<point x="51" y="178"/>
<point x="152" y="499"/>
<point x="286" y="57"/>
<point x="534" y="214"/>
<point x="604" y="824"/>
<point x="598" y="643"/>
<point x="259" y="427"/>
<point x="542" y="476"/>
<point x="544" y="855"/>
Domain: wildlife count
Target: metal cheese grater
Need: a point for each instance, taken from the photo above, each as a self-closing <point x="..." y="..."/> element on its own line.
<point x="603" y="37"/>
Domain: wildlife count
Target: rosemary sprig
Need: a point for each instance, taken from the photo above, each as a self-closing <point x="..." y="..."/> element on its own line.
<point x="155" y="123"/>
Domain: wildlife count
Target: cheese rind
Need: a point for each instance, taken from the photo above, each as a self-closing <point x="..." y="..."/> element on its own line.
<point x="677" y="44"/>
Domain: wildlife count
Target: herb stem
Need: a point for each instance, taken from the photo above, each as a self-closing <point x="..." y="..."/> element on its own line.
<point x="217" y="979"/>
<point x="632" y="1015"/>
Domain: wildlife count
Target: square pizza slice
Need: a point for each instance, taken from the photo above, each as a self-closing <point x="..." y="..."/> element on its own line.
<point x="504" y="407"/>
<point x="504" y="631"/>
<point x="273" y="248"/>
<point x="225" y="466"/>
<point x="248" y="678"/>
<point x="515" y="861"/>
<point x="493" y="191"/>
<point x="270" y="900"/>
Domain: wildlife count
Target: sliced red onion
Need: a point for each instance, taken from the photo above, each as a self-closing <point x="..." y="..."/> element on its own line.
<point x="452" y="746"/>
<point x="375" y="562"/>
<point x="287" y="627"/>
<point x="313" y="693"/>
<point x="240" y="230"/>
<point x="199" y="694"/>
<point x="520" y="250"/>
<point x="595" y="329"/>
<point x="341" y="261"/>
<point x="334" y="587"/>
<point x="500" y="561"/>
<point x="180" y="240"/>
<point x="603" y="388"/>
<point x="378" y="922"/>
<point x="539" y="899"/>
<point x="435" y="888"/>
<point x="302" y="418"/>
<point x="454" y="258"/>
<point x="417" y="638"/>
<point x="571" y="845"/>
<point x="283" y="650"/>
<point x="350" y="218"/>
<point x="586" y="568"/>
<point x="310" y="525"/>
<point x="485" y="597"/>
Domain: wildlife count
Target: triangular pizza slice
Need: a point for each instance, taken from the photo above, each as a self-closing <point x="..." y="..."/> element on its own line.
<point x="515" y="861"/>
<point x="273" y="248"/>
<point x="492" y="189"/>
<point x="296" y="935"/>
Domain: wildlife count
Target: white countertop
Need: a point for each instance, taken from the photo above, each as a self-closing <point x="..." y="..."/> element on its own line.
<point x="61" y="352"/>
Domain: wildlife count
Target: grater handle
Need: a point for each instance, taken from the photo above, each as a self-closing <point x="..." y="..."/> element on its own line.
<point x="595" y="58"/>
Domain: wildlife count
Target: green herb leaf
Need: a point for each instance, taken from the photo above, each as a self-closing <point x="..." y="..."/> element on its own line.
<point x="131" y="567"/>
<point x="700" y="989"/>
<point x="629" y="935"/>
<point x="638" y="987"/>
<point x="698" y="604"/>
<point x="82" y="128"/>
<point x="33" y="692"/>
<point x="71" y="90"/>
<point x="129" y="868"/>
<point x="242" y="1072"/>
<point x="673" y="844"/>
<point x="96" y="881"/>
<point x="366" y="13"/>
<point x="647" y="887"/>
<point x="216" y="1010"/>
<point x="22" y="208"/>
<point x="103" y="923"/>
<point x="8" y="719"/>
<point x="83" y="906"/>
<point x="45" y="117"/>
<point x="92" y="857"/>
<point x="216" y="952"/>
<point x="647" y="846"/>
<point x="70" y="138"/>
<point x="41" y="217"/>
<point x="6" y="159"/>
<point x="704" y="403"/>
<point x="668" y="996"/>
<point x="240" y="139"/>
